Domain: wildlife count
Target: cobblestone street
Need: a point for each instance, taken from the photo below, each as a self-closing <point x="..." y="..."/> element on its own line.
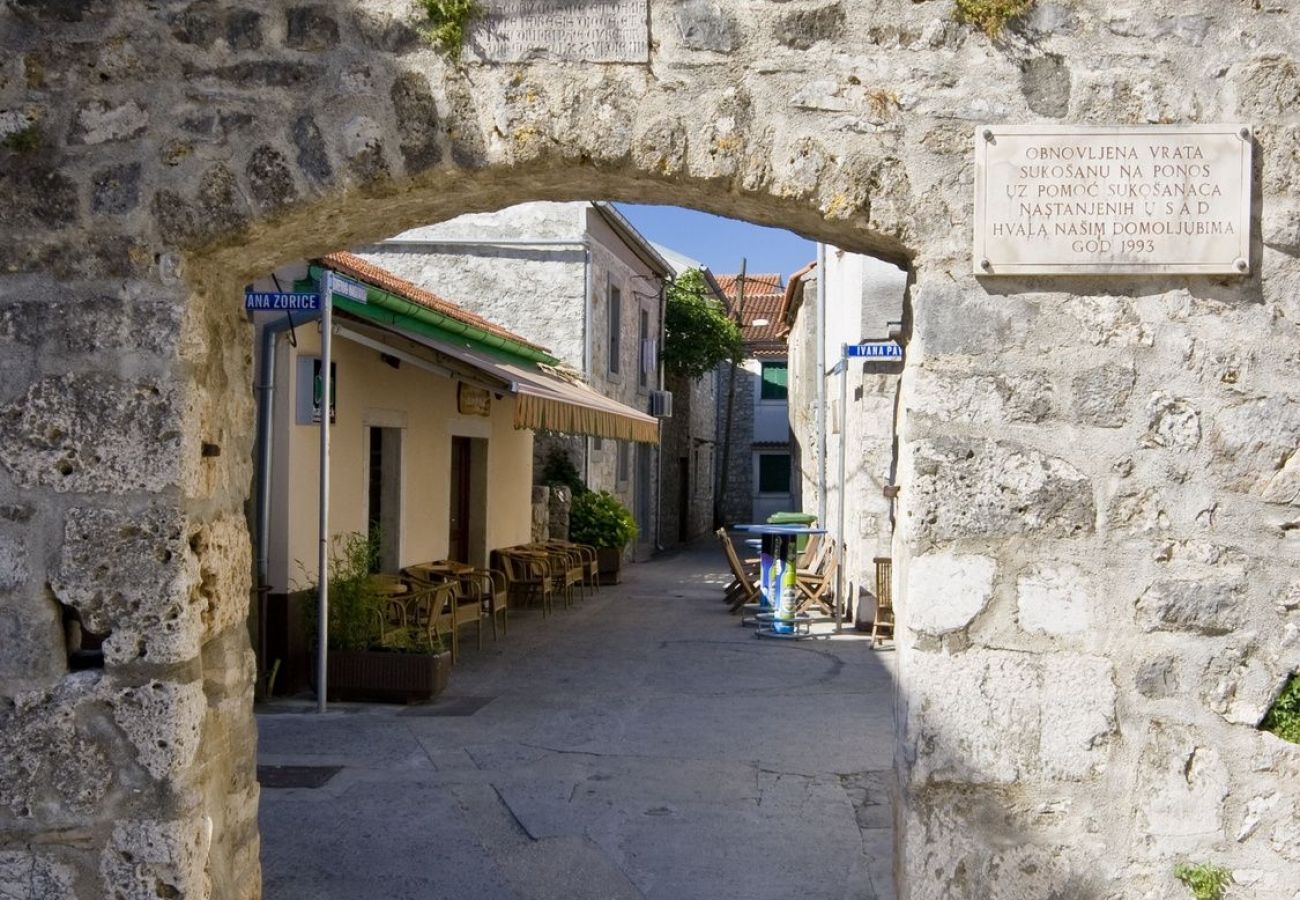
<point x="641" y="744"/>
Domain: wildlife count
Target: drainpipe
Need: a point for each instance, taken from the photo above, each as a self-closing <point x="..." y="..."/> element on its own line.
<point x="659" y="450"/>
<point x="820" y="408"/>
<point x="587" y="310"/>
<point x="265" y="417"/>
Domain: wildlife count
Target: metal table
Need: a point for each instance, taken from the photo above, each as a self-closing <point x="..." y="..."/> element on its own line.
<point x="777" y="573"/>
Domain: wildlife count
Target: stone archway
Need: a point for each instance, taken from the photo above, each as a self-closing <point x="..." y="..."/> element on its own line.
<point x="1124" y="448"/>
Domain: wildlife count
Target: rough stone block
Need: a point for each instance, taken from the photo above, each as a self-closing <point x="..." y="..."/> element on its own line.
<point x="1181" y="786"/>
<point x="98" y="121"/>
<point x="1239" y="685"/>
<point x="970" y="489"/>
<point x="1253" y="440"/>
<point x="29" y="875"/>
<point x="1078" y="716"/>
<point x="1171" y="423"/>
<point x="1110" y="322"/>
<point x="53" y="769"/>
<point x="981" y="399"/>
<point x="945" y="591"/>
<point x="135" y="577"/>
<point x="86" y="433"/>
<point x="163" y="722"/>
<point x="1207" y="606"/>
<point x="702" y="25"/>
<point x="148" y="859"/>
<point x="269" y="179"/>
<point x="417" y="121"/>
<point x="1101" y="395"/>
<point x="1053" y="599"/>
<point x="1157" y="678"/>
<point x="13" y="562"/>
<point x="310" y="28"/>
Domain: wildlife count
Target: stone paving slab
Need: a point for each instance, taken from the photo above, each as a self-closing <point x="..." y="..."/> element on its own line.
<point x="641" y="745"/>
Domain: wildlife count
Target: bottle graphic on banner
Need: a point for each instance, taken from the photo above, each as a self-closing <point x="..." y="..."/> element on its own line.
<point x="784" y="590"/>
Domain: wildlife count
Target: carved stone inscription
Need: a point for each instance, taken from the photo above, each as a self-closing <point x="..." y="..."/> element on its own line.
<point x="1057" y="201"/>
<point x="577" y="30"/>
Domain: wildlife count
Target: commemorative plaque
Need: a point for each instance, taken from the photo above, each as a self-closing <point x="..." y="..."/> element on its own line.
<point x="601" y="31"/>
<point x="1057" y="200"/>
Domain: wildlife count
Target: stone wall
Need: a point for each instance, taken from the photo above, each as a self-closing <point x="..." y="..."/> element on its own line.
<point x="1096" y="559"/>
<point x="736" y="502"/>
<point x="689" y="435"/>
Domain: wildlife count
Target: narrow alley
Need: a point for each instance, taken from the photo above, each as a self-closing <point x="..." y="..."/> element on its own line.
<point x="640" y="745"/>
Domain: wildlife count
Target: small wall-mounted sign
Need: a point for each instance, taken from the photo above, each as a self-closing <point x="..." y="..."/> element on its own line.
<point x="874" y="350"/>
<point x="275" y="301"/>
<point x="308" y="392"/>
<point x="472" y="401"/>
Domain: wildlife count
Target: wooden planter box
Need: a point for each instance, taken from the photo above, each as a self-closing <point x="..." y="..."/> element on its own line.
<point x="385" y="676"/>
<point x="609" y="560"/>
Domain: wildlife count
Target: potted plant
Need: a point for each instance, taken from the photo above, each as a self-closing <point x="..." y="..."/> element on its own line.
<point x="373" y="655"/>
<point x="598" y="519"/>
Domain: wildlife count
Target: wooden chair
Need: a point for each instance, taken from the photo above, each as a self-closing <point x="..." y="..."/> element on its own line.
<point x="884" y="600"/>
<point x="744" y="587"/>
<point x="494" y="594"/>
<point x="814" y="588"/>
<point x="466" y="604"/>
<point x="528" y="577"/>
<point x="567" y="565"/>
<point x="429" y="607"/>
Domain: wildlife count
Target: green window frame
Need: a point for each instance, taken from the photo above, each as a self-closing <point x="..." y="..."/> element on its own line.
<point x="775" y="381"/>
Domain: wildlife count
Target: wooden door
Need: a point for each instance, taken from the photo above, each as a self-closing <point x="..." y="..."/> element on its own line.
<point x="459" y="531"/>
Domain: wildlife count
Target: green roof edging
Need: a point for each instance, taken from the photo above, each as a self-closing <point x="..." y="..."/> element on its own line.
<point x="407" y="314"/>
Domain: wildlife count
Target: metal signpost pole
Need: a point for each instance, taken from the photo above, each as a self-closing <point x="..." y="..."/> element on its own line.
<point x="322" y="562"/>
<point x="844" y="490"/>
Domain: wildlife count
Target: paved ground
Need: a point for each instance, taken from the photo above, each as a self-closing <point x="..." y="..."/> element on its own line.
<point x="642" y="745"/>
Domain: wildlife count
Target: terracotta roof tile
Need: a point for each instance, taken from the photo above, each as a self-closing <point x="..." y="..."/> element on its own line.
<point x="356" y="267"/>
<point x="763" y="281"/>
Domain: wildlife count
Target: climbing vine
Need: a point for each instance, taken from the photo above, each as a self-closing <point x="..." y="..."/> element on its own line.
<point x="448" y="22"/>
<point x="991" y="16"/>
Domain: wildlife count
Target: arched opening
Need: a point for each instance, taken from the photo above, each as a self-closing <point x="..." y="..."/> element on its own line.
<point x="681" y="729"/>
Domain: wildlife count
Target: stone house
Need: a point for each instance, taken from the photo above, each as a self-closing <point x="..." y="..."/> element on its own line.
<point x="863" y="301"/>
<point x="689" y="438"/>
<point x="433" y="412"/>
<point x="757" y="477"/>
<point x="579" y="278"/>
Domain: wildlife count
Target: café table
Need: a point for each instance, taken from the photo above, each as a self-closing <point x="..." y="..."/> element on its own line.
<point x="778" y="557"/>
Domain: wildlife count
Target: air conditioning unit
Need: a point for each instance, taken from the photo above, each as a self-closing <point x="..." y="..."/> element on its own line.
<point x="661" y="404"/>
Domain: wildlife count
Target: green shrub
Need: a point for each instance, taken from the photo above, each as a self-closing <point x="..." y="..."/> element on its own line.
<point x="354" y="602"/>
<point x="1284" y="718"/>
<point x="991" y="16"/>
<point x="1206" y="881"/>
<point x="599" y="519"/>
<point x="448" y="21"/>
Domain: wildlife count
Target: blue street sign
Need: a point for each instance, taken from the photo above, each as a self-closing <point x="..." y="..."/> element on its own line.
<point x="274" y="301"/>
<point x="876" y="350"/>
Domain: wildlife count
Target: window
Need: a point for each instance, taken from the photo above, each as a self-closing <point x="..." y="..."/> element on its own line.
<point x="774" y="473"/>
<point x="615" y="327"/>
<point x="775" y="378"/>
